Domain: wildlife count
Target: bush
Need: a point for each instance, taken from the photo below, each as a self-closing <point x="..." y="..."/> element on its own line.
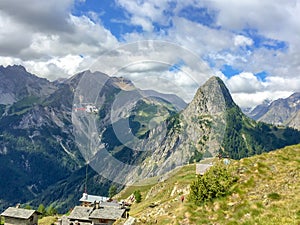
<point x="42" y="210"/>
<point x="112" y="191"/>
<point x="274" y="196"/>
<point x="51" y="211"/>
<point x="215" y="183"/>
<point x="138" y="196"/>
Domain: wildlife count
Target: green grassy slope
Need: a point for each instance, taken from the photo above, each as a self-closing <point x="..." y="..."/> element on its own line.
<point x="267" y="192"/>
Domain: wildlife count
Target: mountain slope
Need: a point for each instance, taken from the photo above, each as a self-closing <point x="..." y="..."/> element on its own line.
<point x="16" y="83"/>
<point x="211" y="124"/>
<point x="267" y="192"/>
<point x="38" y="153"/>
<point x="37" y="148"/>
<point x="281" y="112"/>
<point x="42" y="154"/>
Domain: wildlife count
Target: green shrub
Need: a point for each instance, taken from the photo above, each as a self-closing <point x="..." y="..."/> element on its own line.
<point x="274" y="196"/>
<point x="215" y="183"/>
<point x="42" y="210"/>
<point x="112" y="191"/>
<point x="138" y="196"/>
<point x="51" y="211"/>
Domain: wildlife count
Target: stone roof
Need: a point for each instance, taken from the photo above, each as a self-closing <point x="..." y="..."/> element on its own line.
<point x="110" y="204"/>
<point x="92" y="198"/>
<point x="202" y="168"/>
<point x="80" y="212"/>
<point x="88" y="213"/>
<point x="18" y="213"/>
<point x="110" y="213"/>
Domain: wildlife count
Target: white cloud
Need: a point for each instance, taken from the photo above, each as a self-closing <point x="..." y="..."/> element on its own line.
<point x="46" y="48"/>
<point x="39" y="15"/>
<point x="241" y="40"/>
<point x="244" y="83"/>
<point x="248" y="91"/>
<point x="245" y="100"/>
<point x="283" y="83"/>
<point x="145" y="13"/>
<point x="52" y="42"/>
<point x="13" y="36"/>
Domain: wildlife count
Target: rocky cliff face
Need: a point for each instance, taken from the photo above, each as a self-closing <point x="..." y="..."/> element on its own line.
<point x="211" y="124"/>
<point x="37" y="148"/>
<point x="284" y="112"/>
<point x="16" y="83"/>
<point x="192" y="134"/>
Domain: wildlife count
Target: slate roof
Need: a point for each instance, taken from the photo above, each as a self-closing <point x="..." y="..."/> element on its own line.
<point x="88" y="213"/>
<point x="110" y="204"/>
<point x="80" y="212"/>
<point x="110" y="213"/>
<point x="93" y="198"/>
<point x="18" y="213"/>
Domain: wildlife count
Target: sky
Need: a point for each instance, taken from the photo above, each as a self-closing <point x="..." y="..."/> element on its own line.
<point x="253" y="45"/>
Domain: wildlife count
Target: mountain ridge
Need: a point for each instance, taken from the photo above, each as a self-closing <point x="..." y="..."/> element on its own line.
<point x="154" y="137"/>
<point x="283" y="111"/>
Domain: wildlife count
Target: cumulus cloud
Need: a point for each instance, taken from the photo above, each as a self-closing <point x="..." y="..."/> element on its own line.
<point x="45" y="37"/>
<point x="244" y="83"/>
<point x="13" y="36"/>
<point x="39" y="15"/>
<point x="145" y="13"/>
<point x="248" y="91"/>
<point x="246" y="100"/>
<point x="241" y="40"/>
<point x="49" y="40"/>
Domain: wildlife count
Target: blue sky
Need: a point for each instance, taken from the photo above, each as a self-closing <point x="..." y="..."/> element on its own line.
<point x="111" y="16"/>
<point x="252" y="45"/>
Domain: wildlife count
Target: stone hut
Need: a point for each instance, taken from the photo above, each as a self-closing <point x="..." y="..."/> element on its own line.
<point x="19" y="216"/>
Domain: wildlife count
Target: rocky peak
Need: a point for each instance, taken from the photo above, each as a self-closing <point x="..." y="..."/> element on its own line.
<point x="17" y="83"/>
<point x="213" y="97"/>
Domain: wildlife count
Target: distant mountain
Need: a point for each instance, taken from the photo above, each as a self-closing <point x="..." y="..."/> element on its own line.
<point x="37" y="144"/>
<point x="284" y="112"/>
<point x="37" y="148"/>
<point x="16" y="83"/>
<point x="171" y="98"/>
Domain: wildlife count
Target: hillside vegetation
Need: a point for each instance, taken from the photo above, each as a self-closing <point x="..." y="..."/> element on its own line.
<point x="267" y="192"/>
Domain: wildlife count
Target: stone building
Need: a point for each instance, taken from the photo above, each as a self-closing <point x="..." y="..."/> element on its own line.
<point x="97" y="216"/>
<point x="19" y="216"/>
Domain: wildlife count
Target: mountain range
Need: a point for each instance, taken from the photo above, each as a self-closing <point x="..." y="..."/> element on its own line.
<point x="44" y="145"/>
<point x="284" y="112"/>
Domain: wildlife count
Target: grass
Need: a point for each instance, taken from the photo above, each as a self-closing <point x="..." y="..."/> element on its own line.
<point x="48" y="220"/>
<point x="267" y="193"/>
<point x="274" y="196"/>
